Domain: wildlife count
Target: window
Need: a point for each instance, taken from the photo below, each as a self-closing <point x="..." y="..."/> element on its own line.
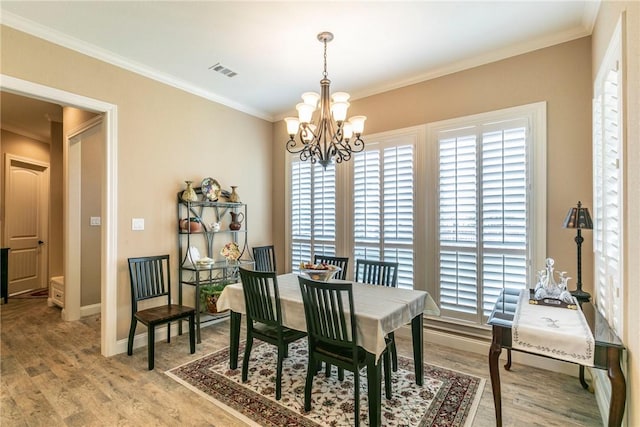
<point x="485" y="208"/>
<point x="607" y="185"/>
<point x="313" y="211"/>
<point x="383" y="208"/>
<point x="378" y="205"/>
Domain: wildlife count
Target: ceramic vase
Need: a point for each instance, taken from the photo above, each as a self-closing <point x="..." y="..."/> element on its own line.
<point x="189" y="194"/>
<point x="234" y="197"/>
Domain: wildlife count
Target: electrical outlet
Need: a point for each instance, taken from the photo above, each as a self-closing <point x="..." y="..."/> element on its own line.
<point x="95" y="220"/>
<point x="137" y="224"/>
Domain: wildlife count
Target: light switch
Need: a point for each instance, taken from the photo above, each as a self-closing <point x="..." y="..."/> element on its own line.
<point x="95" y="220"/>
<point x="137" y="224"/>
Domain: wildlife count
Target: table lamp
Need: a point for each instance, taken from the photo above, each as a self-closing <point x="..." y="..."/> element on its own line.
<point x="579" y="218"/>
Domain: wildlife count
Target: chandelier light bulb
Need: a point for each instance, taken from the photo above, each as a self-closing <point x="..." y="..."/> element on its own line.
<point x="293" y="124"/>
<point x="339" y="111"/>
<point x="340" y="97"/>
<point x="305" y="112"/>
<point x="347" y="131"/>
<point x="311" y="98"/>
<point x="358" y="124"/>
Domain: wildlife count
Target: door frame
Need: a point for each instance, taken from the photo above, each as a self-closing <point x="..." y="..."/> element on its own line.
<point x="108" y="261"/>
<point x="43" y="226"/>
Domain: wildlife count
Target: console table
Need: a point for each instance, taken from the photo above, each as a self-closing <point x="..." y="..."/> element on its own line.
<point x="608" y="351"/>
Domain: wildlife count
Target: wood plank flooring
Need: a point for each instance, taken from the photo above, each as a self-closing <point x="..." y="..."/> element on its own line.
<point x="52" y="374"/>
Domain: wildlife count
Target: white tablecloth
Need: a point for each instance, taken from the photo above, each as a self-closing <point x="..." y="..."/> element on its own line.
<point x="552" y="331"/>
<point x="379" y="309"/>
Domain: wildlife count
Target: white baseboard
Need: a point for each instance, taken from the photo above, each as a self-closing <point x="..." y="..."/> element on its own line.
<point x="89" y="310"/>
<point x="140" y="340"/>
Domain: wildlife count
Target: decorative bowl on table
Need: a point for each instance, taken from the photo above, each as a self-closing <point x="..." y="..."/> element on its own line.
<point x="319" y="272"/>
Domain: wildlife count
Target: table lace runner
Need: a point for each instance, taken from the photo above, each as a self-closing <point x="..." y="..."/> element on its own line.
<point x="552" y="331"/>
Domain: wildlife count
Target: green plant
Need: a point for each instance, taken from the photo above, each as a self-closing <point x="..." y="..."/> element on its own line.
<point x="207" y="291"/>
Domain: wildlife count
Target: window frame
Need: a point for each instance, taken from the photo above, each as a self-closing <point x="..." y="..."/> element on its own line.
<point x="535" y="114"/>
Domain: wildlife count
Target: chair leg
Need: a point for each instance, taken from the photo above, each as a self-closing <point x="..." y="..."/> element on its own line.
<point x="394" y="351"/>
<point x="245" y="360"/>
<point x="340" y="374"/>
<point x="281" y="353"/>
<point x="327" y="369"/>
<point x="309" y="383"/>
<point x="356" y="396"/>
<point x="132" y="333"/>
<point x="151" y="341"/>
<point x="168" y="332"/>
<point x="387" y="374"/>
<point x="192" y="333"/>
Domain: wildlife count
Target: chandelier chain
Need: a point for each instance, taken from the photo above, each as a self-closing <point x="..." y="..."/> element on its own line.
<point x="324" y="74"/>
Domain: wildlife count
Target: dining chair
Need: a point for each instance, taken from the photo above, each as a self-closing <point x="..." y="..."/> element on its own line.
<point x="150" y="279"/>
<point x="383" y="273"/>
<point x="341" y="262"/>
<point x="332" y="337"/>
<point x="264" y="318"/>
<point x="265" y="258"/>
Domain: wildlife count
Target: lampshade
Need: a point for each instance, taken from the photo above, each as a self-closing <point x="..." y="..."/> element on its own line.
<point x="578" y="217"/>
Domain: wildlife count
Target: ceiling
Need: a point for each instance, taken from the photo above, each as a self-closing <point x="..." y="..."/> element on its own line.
<point x="272" y="46"/>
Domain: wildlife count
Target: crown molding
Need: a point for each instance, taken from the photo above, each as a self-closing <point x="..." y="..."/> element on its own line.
<point x="37" y="30"/>
<point x="494" y="56"/>
<point x="23" y="132"/>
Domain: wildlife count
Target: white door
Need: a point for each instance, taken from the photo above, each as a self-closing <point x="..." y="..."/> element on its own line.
<point x="26" y="201"/>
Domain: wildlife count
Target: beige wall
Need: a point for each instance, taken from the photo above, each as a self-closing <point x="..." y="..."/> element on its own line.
<point x="560" y="75"/>
<point x="608" y="17"/>
<point x="165" y="136"/>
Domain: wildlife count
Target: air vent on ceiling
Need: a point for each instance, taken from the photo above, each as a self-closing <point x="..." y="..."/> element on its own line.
<point x="219" y="68"/>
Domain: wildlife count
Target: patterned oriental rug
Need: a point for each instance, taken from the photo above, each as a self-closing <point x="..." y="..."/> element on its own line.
<point x="447" y="398"/>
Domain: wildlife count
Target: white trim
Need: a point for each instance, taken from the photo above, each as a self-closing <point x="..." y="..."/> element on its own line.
<point x="109" y="262"/>
<point x="15" y="21"/>
<point x="90" y="310"/>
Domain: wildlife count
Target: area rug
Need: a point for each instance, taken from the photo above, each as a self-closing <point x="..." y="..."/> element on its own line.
<point x="447" y="398"/>
<point x="38" y="293"/>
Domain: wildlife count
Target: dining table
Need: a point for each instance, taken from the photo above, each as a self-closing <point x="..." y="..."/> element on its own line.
<point x="379" y="310"/>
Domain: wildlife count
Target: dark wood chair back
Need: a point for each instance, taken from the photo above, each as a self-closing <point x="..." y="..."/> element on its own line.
<point x="342" y="262"/>
<point x="377" y="272"/>
<point x="265" y="258"/>
<point x="150" y="279"/>
<point x="261" y="296"/>
<point x="328" y="309"/>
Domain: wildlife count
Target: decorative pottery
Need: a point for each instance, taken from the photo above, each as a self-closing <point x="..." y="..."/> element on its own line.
<point x="212" y="303"/>
<point x="189" y="194"/>
<point x="234" y="197"/>
<point x="192" y="225"/>
<point x="236" y="220"/>
<point x="215" y="226"/>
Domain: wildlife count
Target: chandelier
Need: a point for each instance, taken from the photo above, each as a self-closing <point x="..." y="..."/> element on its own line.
<point x="330" y="136"/>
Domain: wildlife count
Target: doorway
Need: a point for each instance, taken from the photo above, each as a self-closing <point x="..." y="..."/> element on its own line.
<point x="26" y="222"/>
<point x="108" y="257"/>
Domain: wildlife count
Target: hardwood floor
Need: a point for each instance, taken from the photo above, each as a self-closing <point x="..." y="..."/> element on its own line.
<point x="52" y="374"/>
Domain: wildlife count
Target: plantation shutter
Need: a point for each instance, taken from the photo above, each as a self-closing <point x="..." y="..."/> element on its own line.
<point x="384" y="207"/>
<point x="483" y="216"/>
<point x="607" y="187"/>
<point x="313" y="211"/>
